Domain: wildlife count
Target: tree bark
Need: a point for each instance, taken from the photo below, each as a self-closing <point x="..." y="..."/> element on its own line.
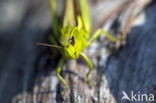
<point x="27" y="73"/>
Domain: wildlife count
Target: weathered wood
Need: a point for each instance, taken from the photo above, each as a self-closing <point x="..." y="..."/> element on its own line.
<point x="27" y="73"/>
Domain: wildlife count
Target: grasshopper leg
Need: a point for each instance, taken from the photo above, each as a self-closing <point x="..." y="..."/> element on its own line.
<point x="109" y="36"/>
<point x="88" y="62"/>
<point x="58" y="71"/>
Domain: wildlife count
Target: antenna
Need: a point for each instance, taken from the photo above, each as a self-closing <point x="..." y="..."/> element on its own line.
<point x="49" y="45"/>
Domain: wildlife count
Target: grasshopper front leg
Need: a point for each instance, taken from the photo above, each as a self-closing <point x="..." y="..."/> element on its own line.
<point x="109" y="36"/>
<point x="58" y="72"/>
<point x="88" y="62"/>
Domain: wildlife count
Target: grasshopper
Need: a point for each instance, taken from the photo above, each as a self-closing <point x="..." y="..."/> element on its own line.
<point x="73" y="35"/>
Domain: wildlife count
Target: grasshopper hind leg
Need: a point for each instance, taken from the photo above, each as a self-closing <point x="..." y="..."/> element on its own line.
<point x="109" y="36"/>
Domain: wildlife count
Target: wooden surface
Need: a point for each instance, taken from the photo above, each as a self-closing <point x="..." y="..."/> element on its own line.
<point x="27" y="71"/>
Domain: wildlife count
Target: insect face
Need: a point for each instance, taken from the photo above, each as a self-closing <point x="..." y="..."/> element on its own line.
<point x="67" y="42"/>
<point x="66" y="37"/>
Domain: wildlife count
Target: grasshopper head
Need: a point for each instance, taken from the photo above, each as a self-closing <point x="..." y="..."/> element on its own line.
<point x="70" y="43"/>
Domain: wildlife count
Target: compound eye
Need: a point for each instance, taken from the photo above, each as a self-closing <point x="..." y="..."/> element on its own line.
<point x="72" y="41"/>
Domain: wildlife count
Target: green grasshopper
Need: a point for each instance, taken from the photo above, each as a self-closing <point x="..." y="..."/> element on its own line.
<point x="73" y="35"/>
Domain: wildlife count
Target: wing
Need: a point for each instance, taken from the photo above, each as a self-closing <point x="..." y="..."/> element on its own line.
<point x="86" y="18"/>
<point x="75" y="8"/>
<point x="69" y="14"/>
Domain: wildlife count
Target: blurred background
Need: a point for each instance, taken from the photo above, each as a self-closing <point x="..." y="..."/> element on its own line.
<point x="27" y="70"/>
